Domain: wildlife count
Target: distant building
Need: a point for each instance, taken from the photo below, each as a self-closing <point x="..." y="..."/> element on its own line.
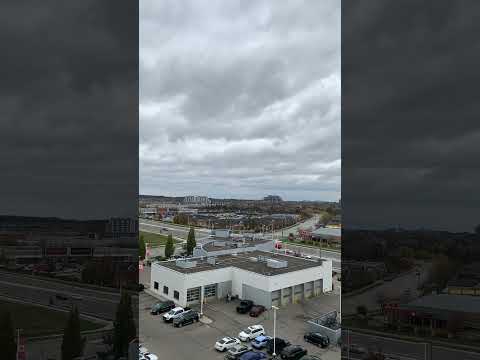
<point x="122" y="225"/>
<point x="274" y="199"/>
<point x="197" y="200"/>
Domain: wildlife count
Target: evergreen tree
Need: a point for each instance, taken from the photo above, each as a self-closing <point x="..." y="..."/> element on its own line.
<point x="73" y="343"/>
<point x="169" y="247"/>
<point x="8" y="345"/>
<point x="124" y="326"/>
<point x="142" y="247"/>
<point x="191" y="243"/>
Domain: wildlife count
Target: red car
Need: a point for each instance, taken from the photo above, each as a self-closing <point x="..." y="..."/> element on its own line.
<point x="257" y="310"/>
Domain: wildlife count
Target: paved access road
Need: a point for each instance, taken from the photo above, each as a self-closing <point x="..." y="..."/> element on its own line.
<point x="178" y="232"/>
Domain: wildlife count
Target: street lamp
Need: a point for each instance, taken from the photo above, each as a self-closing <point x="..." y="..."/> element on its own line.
<point x="274" y="328"/>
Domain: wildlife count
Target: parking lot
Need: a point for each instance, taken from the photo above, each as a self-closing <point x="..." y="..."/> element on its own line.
<point x="196" y="341"/>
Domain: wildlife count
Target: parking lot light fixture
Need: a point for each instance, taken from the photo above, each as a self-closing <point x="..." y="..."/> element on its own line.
<point x="274" y="328"/>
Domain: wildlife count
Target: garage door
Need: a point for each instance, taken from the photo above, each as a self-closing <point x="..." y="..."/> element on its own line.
<point x="318" y="289"/>
<point x="298" y="293"/>
<point x="287" y="295"/>
<point x="308" y="289"/>
<point x="276" y="298"/>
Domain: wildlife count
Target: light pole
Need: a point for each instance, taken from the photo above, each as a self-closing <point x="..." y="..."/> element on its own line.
<point x="274" y="328"/>
<point x="201" y="301"/>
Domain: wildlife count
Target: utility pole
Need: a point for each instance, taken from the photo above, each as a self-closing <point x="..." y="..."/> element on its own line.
<point x="274" y="329"/>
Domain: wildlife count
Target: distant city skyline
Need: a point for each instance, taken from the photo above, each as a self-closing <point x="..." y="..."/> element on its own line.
<point x="240" y="98"/>
<point x="233" y="197"/>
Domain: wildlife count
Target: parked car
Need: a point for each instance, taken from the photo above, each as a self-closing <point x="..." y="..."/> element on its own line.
<point x="226" y="343"/>
<point x="186" y="318"/>
<point x="260" y="342"/>
<point x="251" y="332"/>
<point x="280" y="344"/>
<point x="257" y="310"/>
<point x="245" y="306"/>
<point x="236" y="351"/>
<point x="317" y="339"/>
<point x="162" y="306"/>
<point x="293" y="352"/>
<point x="174" y="313"/>
<point x="252" y="355"/>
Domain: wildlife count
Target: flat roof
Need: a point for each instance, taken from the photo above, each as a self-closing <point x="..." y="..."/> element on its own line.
<point x="447" y="302"/>
<point x="244" y="261"/>
<point x="229" y="244"/>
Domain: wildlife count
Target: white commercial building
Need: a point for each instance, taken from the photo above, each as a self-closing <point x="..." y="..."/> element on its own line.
<point x="263" y="277"/>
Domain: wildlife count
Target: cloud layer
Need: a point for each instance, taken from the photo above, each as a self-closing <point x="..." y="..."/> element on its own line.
<point x="240" y="99"/>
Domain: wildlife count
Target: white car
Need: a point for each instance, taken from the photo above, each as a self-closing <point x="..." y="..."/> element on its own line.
<point x="226" y="343"/>
<point x="142" y="349"/>
<point x="251" y="332"/>
<point x="147" y="356"/>
<point x="174" y="313"/>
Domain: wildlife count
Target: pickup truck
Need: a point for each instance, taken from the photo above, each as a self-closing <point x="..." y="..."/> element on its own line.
<point x="245" y="306"/>
<point x="174" y="313"/>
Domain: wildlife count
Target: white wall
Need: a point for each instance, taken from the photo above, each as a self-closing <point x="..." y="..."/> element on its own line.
<point x="181" y="282"/>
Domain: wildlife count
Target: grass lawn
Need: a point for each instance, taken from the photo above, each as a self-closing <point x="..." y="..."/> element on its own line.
<point x="36" y="320"/>
<point x="155" y="239"/>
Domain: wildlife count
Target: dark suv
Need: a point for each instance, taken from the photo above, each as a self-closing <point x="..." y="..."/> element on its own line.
<point x="293" y="352"/>
<point x="317" y="339"/>
<point x="245" y="306"/>
<point x="188" y="318"/>
<point x="161" y="307"/>
<point x="280" y="344"/>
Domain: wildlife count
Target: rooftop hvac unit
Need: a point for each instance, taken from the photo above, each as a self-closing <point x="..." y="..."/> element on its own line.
<point x="185" y="264"/>
<point x="277" y="264"/>
<point x="212" y="260"/>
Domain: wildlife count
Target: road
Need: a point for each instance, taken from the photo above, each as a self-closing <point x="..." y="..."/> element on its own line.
<point x="405" y="349"/>
<point x="34" y="289"/>
<point x="178" y="232"/>
<point x="391" y="289"/>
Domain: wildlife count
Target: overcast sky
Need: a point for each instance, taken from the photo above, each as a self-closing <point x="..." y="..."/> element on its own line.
<point x="240" y="98"/>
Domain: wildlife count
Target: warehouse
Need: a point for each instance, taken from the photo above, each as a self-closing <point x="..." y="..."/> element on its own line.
<point x="264" y="277"/>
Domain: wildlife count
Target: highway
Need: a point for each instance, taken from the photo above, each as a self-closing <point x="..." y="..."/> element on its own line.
<point x="406" y="349"/>
<point x="38" y="290"/>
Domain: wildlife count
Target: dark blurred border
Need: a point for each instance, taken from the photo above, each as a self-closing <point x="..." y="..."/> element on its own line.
<point x="69" y="183"/>
<point x="410" y="180"/>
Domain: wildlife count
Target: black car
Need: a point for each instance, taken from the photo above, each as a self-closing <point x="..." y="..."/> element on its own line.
<point x="293" y="352"/>
<point x="317" y="339"/>
<point x="161" y="307"/>
<point x="280" y="344"/>
<point x="188" y="318"/>
<point x="245" y="306"/>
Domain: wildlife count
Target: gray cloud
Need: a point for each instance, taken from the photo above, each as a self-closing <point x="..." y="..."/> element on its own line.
<point x="240" y="98"/>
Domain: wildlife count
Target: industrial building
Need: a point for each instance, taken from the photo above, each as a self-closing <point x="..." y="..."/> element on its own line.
<point x="263" y="277"/>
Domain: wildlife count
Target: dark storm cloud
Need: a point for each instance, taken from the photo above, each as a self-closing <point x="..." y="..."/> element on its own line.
<point x="68" y="97"/>
<point x="240" y="99"/>
<point x="409" y="112"/>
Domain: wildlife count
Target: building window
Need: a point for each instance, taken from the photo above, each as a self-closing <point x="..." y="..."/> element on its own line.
<point x="176" y="295"/>
<point x="210" y="290"/>
<point x="193" y="294"/>
<point x="155" y="285"/>
<point x="165" y="290"/>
